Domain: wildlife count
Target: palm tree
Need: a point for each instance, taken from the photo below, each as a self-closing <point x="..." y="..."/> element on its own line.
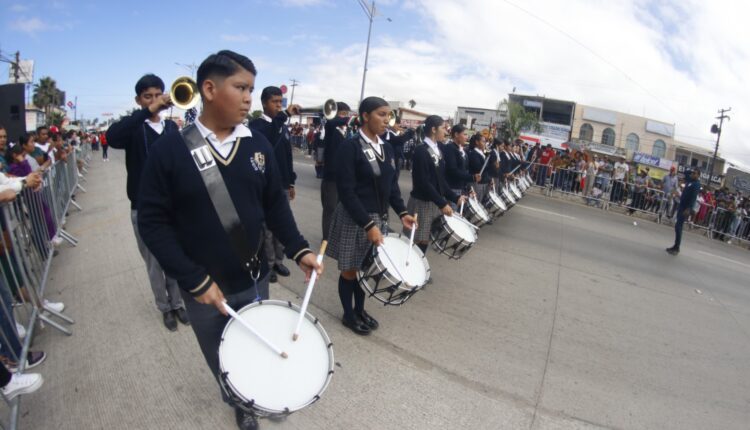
<point x="46" y="95"/>
<point x="412" y="103"/>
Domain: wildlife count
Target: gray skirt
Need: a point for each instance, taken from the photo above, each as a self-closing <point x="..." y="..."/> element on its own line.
<point x="427" y="212"/>
<point x="481" y="190"/>
<point x="347" y="242"/>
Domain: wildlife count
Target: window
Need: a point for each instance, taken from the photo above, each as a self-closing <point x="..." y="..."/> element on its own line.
<point x="659" y="149"/>
<point x="632" y="142"/>
<point x="682" y="159"/>
<point x="608" y="137"/>
<point x="587" y="132"/>
<point x="693" y="162"/>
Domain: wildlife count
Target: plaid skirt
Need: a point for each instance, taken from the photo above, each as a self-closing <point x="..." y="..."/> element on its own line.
<point x="347" y="242"/>
<point x="481" y="190"/>
<point x="427" y="212"/>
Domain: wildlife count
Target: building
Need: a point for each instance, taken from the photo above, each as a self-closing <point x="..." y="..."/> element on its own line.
<point x="737" y="180"/>
<point x="478" y="118"/>
<point x="623" y="134"/>
<point x="411" y="118"/>
<point x="555" y="118"/>
<point x="687" y="155"/>
<point x="34" y="117"/>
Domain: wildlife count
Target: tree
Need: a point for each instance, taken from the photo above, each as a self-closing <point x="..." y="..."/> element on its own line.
<point x="412" y="103"/>
<point x="519" y="119"/>
<point x="46" y="95"/>
<point x="255" y="114"/>
<point x="55" y="118"/>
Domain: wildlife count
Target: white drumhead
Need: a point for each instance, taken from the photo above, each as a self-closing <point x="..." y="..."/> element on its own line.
<point x="415" y="274"/>
<point x="461" y="227"/>
<point x="498" y="201"/>
<point x="479" y="209"/>
<point x="257" y="373"/>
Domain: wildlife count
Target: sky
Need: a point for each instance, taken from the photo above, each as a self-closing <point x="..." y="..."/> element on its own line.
<point x="676" y="61"/>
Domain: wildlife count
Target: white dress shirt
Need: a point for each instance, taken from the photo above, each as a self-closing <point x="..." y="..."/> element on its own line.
<point x="158" y="127"/>
<point x="431" y="143"/>
<point x="224" y="147"/>
<point x="377" y="147"/>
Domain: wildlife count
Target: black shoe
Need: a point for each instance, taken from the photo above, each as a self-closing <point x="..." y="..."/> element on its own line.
<point x="169" y="321"/>
<point x="357" y="326"/>
<point x="182" y="316"/>
<point x="273" y="278"/>
<point x="673" y="251"/>
<point x="281" y="269"/>
<point x="245" y="420"/>
<point x="369" y="320"/>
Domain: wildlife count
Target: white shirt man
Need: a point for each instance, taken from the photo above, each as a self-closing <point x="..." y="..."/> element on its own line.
<point x="621" y="169"/>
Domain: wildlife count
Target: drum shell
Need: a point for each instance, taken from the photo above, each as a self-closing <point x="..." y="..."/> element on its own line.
<point x="448" y="242"/>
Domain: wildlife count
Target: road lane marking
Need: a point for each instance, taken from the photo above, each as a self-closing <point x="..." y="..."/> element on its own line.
<point x="544" y="211"/>
<point x="724" y="258"/>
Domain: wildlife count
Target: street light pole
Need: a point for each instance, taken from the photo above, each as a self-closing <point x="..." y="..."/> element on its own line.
<point x="370" y="16"/>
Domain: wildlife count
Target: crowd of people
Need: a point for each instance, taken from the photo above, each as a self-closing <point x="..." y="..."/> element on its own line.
<point x="25" y="164"/>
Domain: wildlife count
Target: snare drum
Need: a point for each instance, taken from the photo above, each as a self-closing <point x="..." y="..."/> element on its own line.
<point x="385" y="275"/>
<point x="453" y="235"/>
<point x="475" y="213"/>
<point x="515" y="191"/>
<point x="495" y="204"/>
<point x="257" y="379"/>
<point x="510" y="200"/>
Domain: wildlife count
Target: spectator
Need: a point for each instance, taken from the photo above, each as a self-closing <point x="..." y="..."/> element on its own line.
<point x="619" y="177"/>
<point x="640" y="186"/>
<point x="105" y="146"/>
<point x="544" y="161"/>
<point x="15" y="384"/>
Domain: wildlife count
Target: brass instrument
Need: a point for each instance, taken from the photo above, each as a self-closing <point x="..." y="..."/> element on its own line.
<point x="184" y="93"/>
<point x="392" y="118"/>
<point x="328" y="109"/>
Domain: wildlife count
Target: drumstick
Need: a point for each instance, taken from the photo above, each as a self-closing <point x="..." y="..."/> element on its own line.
<point x="250" y="328"/>
<point x="411" y="239"/>
<point x="308" y="292"/>
<point x="461" y="211"/>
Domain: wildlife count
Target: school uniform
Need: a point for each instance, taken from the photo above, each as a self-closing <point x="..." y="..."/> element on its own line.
<point x="476" y="162"/>
<point x="277" y="132"/>
<point x="136" y="134"/>
<point x="364" y="197"/>
<point x="398" y="143"/>
<point x="181" y="227"/>
<point x="430" y="191"/>
<point x="456" y="168"/>
<point x="335" y="135"/>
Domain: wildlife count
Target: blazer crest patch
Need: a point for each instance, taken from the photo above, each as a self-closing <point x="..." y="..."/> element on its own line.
<point x="259" y="162"/>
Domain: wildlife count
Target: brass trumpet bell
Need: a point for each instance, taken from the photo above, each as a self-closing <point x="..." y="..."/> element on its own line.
<point x="392" y="117"/>
<point x="327" y="110"/>
<point x="184" y="93"/>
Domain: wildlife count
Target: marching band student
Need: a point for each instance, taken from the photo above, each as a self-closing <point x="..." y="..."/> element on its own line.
<point x="367" y="184"/>
<point x="456" y="164"/>
<point x="136" y="134"/>
<point x="398" y="138"/>
<point x="477" y="161"/>
<point x="272" y="123"/>
<point x="335" y="134"/>
<point x="180" y="223"/>
<point x="506" y="162"/>
<point x="431" y="196"/>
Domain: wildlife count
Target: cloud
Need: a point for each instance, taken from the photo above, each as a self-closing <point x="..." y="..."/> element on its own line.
<point x="674" y="61"/>
<point x="30" y="25"/>
<point x="238" y="38"/>
<point x="18" y="8"/>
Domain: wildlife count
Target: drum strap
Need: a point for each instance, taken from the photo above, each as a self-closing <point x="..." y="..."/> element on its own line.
<point x="222" y="201"/>
<point x="436" y="156"/>
<point x="373" y="160"/>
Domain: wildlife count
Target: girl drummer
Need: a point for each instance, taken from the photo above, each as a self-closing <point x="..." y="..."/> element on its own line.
<point x="367" y="184"/>
<point x="478" y="162"/>
<point x="430" y="195"/>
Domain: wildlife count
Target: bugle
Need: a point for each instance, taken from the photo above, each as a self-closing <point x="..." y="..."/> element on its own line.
<point x="184" y="93"/>
<point x="327" y="110"/>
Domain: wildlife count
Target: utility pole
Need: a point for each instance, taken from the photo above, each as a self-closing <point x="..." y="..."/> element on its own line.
<point x="75" y="109"/>
<point x="717" y="130"/>
<point x="294" y="84"/>
<point x="17" y="68"/>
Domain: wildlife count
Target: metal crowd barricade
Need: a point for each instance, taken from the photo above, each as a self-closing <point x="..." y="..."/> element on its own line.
<point x="729" y="225"/>
<point x="29" y="223"/>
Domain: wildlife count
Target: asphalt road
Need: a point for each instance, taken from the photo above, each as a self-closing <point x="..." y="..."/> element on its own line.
<point x="560" y="317"/>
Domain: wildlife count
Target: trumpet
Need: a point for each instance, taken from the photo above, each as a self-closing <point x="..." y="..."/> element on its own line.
<point x="184" y="93"/>
<point x="392" y="117"/>
<point x="328" y="109"/>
